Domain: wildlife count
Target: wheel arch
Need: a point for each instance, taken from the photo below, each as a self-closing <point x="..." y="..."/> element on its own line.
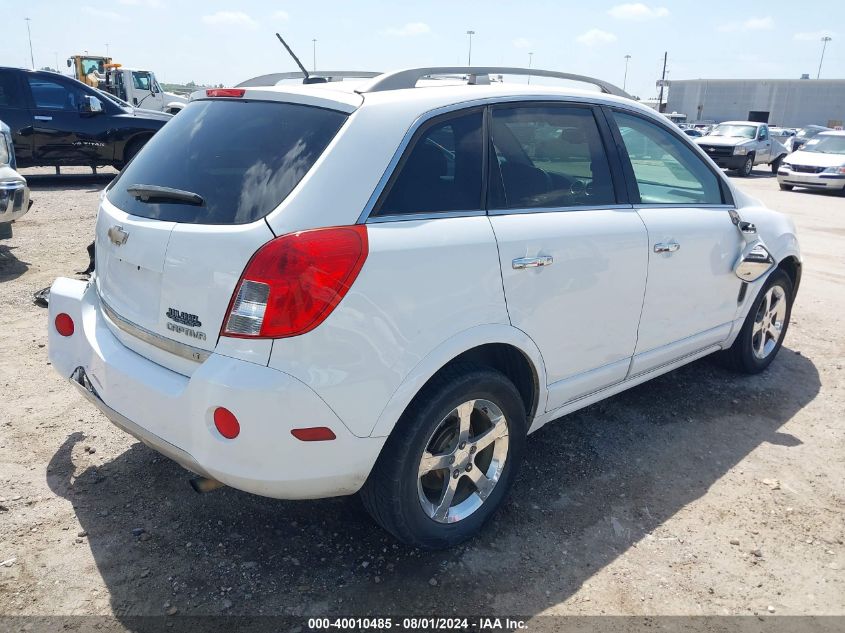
<point x="791" y="265"/>
<point x="502" y="347"/>
<point x="144" y="136"/>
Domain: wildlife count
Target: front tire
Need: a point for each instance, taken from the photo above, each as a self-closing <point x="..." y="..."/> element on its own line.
<point x="784" y="187"/>
<point x="450" y="461"/>
<point x="762" y="334"/>
<point x="747" y="166"/>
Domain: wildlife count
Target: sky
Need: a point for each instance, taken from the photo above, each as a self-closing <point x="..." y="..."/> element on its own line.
<point x="213" y="42"/>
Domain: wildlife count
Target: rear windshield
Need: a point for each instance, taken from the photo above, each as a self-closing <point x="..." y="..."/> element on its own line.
<point x="241" y="157"/>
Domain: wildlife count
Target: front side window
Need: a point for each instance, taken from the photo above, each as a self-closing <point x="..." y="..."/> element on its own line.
<point x="141" y="81"/>
<point x="53" y="95"/>
<point x="441" y="171"/>
<point x="548" y="157"/>
<point x="666" y="170"/>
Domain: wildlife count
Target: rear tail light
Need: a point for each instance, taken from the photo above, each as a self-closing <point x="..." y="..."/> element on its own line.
<point x="225" y="92"/>
<point x="293" y="282"/>
<point x="64" y="324"/>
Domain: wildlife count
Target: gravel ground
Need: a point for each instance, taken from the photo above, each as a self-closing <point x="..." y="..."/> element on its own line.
<point x="700" y="492"/>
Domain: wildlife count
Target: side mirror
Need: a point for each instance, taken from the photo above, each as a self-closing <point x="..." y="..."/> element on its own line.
<point x="754" y="262"/>
<point x="69" y="63"/>
<point x="747" y="228"/>
<point x="91" y="104"/>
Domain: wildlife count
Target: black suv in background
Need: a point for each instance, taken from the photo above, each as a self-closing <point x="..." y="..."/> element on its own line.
<point x="56" y="120"/>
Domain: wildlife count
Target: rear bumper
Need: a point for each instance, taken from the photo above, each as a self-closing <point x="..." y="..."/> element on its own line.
<point x="811" y="181"/>
<point x="172" y="413"/>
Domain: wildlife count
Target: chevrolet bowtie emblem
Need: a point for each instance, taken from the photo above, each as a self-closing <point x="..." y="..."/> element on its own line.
<point x="118" y="236"/>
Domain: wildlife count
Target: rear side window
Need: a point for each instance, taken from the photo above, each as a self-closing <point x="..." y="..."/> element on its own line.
<point x="10" y="93"/>
<point x="666" y="170"/>
<point x="550" y="156"/>
<point x="242" y="158"/>
<point x="441" y="170"/>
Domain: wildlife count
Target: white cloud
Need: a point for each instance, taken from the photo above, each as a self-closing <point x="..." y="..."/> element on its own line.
<point x="522" y="42"/>
<point x="281" y="16"/>
<point x="100" y="14"/>
<point x="751" y="24"/>
<point x="230" y="18"/>
<point x="595" y="37"/>
<point x="812" y="36"/>
<point x="408" y="30"/>
<point x="637" y="11"/>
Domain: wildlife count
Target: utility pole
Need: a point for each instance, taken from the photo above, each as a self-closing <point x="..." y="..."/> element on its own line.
<point x="107" y="49"/>
<point x="314" y="54"/>
<point x="625" y="80"/>
<point x="530" y="56"/>
<point x="825" y="40"/>
<point x="662" y="82"/>
<point x="469" y="54"/>
<point x="56" y="55"/>
<point x="29" y="33"/>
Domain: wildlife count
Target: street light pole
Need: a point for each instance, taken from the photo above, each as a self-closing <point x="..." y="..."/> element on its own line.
<point x="530" y="57"/>
<point x="29" y="33"/>
<point x="625" y="80"/>
<point x="825" y="40"/>
<point x="469" y="54"/>
<point x="107" y="49"/>
<point x="314" y="54"/>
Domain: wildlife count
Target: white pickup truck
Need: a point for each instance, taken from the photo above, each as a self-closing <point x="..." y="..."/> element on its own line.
<point x="741" y="145"/>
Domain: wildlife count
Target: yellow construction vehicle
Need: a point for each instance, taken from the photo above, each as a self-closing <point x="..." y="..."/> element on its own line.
<point x="89" y="69"/>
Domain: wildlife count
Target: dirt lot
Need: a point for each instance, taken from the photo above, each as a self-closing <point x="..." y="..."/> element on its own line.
<point x="701" y="492"/>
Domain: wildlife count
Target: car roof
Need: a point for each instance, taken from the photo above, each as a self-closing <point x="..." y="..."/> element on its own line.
<point x="741" y="123"/>
<point x="833" y="133"/>
<point x="428" y="95"/>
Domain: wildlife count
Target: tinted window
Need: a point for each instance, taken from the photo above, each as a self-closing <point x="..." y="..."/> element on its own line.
<point x="242" y="158"/>
<point x="441" y="171"/>
<point x="54" y="95"/>
<point x="10" y="93"/>
<point x="549" y="157"/>
<point x="666" y="170"/>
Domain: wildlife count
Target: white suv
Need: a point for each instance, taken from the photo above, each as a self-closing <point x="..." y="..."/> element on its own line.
<point x="314" y="290"/>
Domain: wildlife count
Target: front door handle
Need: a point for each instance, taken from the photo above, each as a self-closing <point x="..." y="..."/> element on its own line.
<point x="39" y="117"/>
<point x="532" y="262"/>
<point x="666" y="247"/>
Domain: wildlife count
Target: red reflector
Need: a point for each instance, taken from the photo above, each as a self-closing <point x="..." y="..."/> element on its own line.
<point x="314" y="434"/>
<point x="225" y="92"/>
<point x="64" y="324"/>
<point x="301" y="277"/>
<point x="226" y="423"/>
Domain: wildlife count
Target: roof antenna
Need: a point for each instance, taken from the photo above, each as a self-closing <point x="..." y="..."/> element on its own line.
<point x="308" y="79"/>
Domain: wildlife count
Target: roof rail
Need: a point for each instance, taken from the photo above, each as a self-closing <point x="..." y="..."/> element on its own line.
<point x="317" y="76"/>
<point x="399" y="79"/>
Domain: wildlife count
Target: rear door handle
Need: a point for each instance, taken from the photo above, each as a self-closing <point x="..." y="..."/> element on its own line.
<point x="666" y="247"/>
<point x="39" y="117"/>
<point x="532" y="262"/>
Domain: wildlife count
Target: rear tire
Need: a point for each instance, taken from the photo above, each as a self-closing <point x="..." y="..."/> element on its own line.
<point x="775" y="165"/>
<point x="5" y="230"/>
<point x="450" y="460"/>
<point x="133" y="148"/>
<point x="784" y="187"/>
<point x="764" y="329"/>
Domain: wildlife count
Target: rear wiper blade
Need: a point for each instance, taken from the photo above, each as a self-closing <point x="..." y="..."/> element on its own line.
<point x="154" y="193"/>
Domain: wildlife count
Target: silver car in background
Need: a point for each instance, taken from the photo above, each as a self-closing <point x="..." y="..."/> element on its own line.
<point x="14" y="194"/>
<point x="819" y="164"/>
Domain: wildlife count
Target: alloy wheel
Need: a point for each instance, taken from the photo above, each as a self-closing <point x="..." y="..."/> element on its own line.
<point x="463" y="461"/>
<point x="768" y="323"/>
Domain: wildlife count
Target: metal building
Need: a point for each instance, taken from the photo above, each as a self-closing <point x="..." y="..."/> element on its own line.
<point x="786" y="102"/>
